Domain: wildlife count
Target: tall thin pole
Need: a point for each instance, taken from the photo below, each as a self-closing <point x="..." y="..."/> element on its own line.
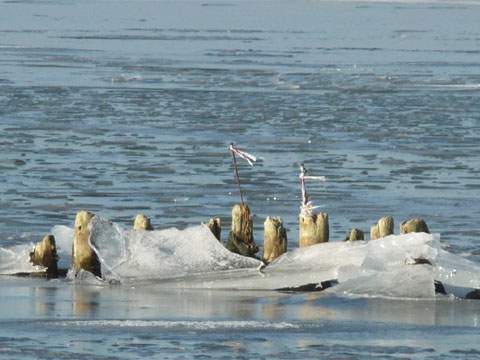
<point x="236" y="176"/>
<point x="303" y="171"/>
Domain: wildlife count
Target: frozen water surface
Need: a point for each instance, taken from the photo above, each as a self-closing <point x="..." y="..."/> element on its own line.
<point x="126" y="107"/>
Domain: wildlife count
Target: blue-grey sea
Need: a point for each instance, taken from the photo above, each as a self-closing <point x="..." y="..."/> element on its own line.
<point x="121" y="107"/>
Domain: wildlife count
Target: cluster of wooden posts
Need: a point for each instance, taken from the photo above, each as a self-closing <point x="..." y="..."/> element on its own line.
<point x="314" y="229"/>
<point x="44" y="253"/>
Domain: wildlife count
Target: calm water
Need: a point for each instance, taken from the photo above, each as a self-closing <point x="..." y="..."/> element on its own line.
<point x="126" y="107"/>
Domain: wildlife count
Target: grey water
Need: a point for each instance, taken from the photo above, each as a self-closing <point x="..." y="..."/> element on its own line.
<point x="121" y="107"/>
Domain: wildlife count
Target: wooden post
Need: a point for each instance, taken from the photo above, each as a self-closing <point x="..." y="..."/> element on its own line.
<point x="374" y="234"/>
<point x="382" y="228"/>
<point x="314" y="229"/>
<point x="275" y="239"/>
<point x="83" y="255"/>
<point x="385" y="226"/>
<point x="414" y="225"/>
<point x="240" y="238"/>
<point x="215" y="227"/>
<point x="142" y="222"/>
<point x="45" y="254"/>
<point x="354" y="235"/>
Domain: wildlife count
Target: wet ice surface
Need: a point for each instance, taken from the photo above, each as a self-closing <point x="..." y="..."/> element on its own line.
<point x="121" y="108"/>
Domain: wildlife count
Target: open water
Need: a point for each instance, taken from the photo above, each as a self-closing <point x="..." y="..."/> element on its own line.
<point x="122" y="107"/>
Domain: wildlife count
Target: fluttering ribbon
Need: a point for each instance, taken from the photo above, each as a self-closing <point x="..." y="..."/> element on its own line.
<point x="244" y="155"/>
<point x="306" y="209"/>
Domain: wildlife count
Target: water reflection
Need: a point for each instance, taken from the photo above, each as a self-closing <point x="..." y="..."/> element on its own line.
<point x="41" y="299"/>
<point x="312" y="310"/>
<point x="154" y="302"/>
<point x="45" y="301"/>
<point x="85" y="301"/>
<point x="443" y="311"/>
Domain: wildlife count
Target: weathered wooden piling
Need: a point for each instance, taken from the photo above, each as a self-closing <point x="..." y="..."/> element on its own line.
<point x="414" y="225"/>
<point x="385" y="226"/>
<point x="382" y="228"/>
<point x="215" y="227"/>
<point x="275" y="239"/>
<point x="314" y="229"/>
<point x="142" y="222"/>
<point x="240" y="238"/>
<point x="374" y="233"/>
<point x="83" y="255"/>
<point x="45" y="254"/>
<point x="354" y="235"/>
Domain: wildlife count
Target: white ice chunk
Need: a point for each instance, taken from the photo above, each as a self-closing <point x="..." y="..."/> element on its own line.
<point x="16" y="259"/>
<point x="64" y="242"/>
<point x="398" y="250"/>
<point x="193" y="258"/>
<point x="455" y="270"/>
<point x="408" y="282"/>
<point x="163" y="253"/>
<point x="397" y="266"/>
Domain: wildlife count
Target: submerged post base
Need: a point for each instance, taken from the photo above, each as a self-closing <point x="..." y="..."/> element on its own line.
<point x="354" y="235"/>
<point x="45" y="254"/>
<point x="83" y="255"/>
<point x="240" y="238"/>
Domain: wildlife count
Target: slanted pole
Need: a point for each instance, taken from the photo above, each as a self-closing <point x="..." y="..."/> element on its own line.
<point x="237" y="177"/>
<point x="303" y="172"/>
